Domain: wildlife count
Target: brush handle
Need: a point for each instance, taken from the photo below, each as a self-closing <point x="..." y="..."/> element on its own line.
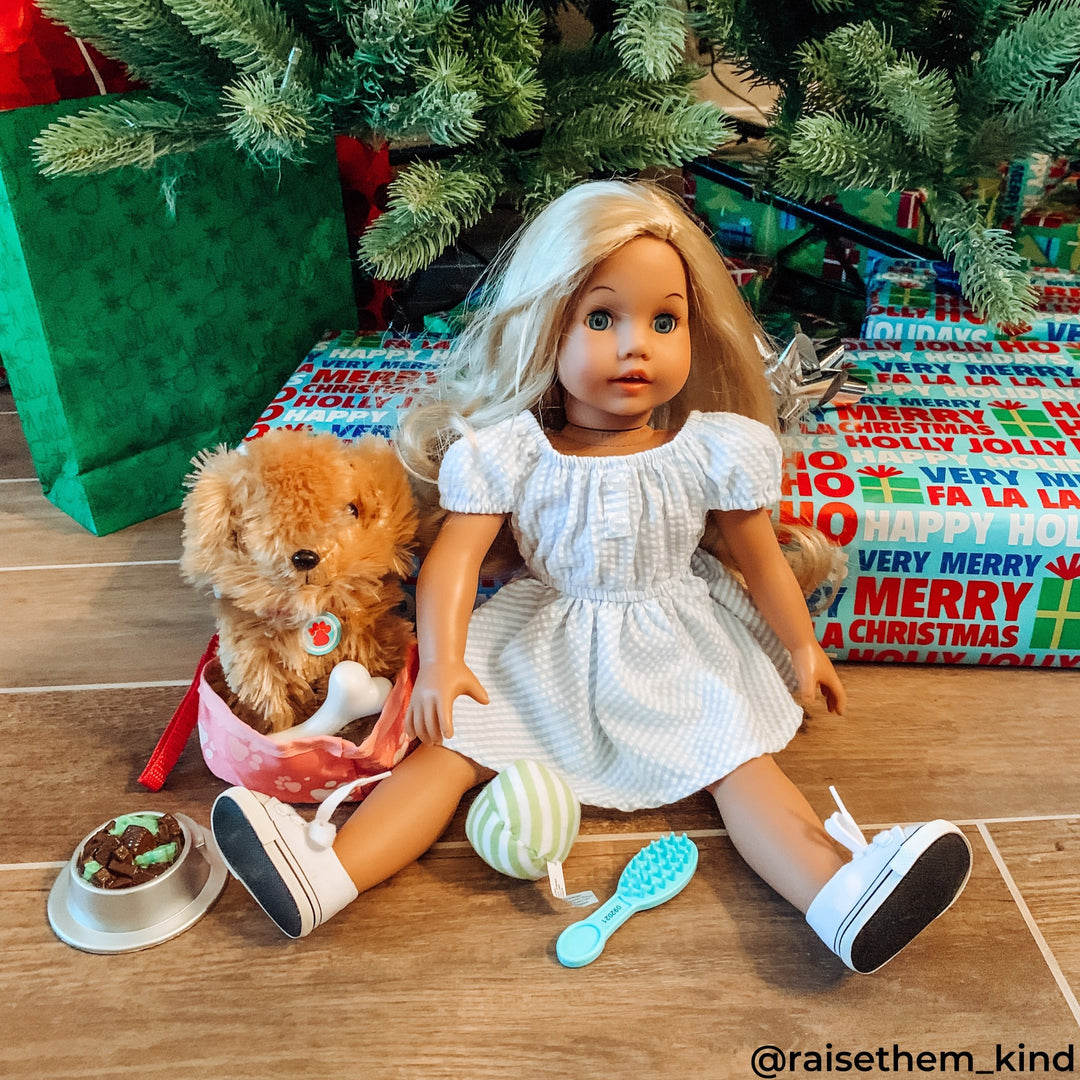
<point x="582" y="942"/>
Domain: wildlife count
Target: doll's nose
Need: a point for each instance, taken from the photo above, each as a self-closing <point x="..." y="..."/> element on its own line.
<point x="632" y="341"/>
<point x="305" y="559"/>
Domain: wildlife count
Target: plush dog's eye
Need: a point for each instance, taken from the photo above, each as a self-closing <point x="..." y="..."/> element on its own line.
<point x="353" y="510"/>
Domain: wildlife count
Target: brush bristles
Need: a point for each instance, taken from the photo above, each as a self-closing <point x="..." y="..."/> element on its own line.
<point x="659" y="869"/>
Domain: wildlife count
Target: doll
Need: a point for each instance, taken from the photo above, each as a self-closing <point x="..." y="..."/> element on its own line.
<point x="608" y="400"/>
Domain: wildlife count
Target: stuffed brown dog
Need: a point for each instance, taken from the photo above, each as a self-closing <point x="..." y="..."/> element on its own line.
<point x="304" y="539"/>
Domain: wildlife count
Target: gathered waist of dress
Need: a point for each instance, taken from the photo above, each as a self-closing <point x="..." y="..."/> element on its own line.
<point x="618" y="595"/>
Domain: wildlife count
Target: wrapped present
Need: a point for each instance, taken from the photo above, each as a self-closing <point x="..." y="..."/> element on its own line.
<point x="1026" y="184"/>
<point x="354" y="384"/>
<point x="133" y="336"/>
<point x="744" y="226"/>
<point x="909" y="300"/>
<point x="1050" y="237"/>
<point x="953" y="485"/>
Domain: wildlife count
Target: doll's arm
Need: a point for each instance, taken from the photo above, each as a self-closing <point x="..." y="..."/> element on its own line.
<point x="751" y="539"/>
<point x="445" y="594"/>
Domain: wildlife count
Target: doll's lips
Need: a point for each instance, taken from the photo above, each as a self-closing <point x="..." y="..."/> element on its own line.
<point x="632" y="378"/>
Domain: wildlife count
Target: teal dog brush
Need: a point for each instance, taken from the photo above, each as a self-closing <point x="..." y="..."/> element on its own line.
<point x="656" y="873"/>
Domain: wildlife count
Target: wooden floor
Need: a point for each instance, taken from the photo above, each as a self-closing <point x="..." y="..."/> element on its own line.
<point x="449" y="970"/>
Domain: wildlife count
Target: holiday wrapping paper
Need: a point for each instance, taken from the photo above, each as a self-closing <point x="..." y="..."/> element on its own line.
<point x="135" y="335"/>
<point x="1050" y="237"/>
<point x="743" y="226"/>
<point x="911" y="300"/>
<point x="354" y="384"/>
<point x="953" y="486"/>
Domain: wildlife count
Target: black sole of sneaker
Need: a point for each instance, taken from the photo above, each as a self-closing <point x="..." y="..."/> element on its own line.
<point x="246" y="857"/>
<point x="925" y="891"/>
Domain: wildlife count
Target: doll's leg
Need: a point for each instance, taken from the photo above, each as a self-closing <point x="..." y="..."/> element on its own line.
<point x="776" y="831"/>
<point x="866" y="909"/>
<point x="405" y="814"/>
<point x="294" y="869"/>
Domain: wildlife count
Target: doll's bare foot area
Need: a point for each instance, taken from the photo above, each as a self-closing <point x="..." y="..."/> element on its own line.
<point x="892" y="889"/>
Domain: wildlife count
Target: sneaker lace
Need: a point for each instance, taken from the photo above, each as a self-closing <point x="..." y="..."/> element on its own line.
<point x="321" y="831"/>
<point x="843" y="828"/>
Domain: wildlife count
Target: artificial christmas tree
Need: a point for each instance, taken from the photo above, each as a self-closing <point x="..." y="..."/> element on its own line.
<point x="932" y="95"/>
<point x="517" y="112"/>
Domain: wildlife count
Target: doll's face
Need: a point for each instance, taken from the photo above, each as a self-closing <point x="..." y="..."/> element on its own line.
<point x="626" y="348"/>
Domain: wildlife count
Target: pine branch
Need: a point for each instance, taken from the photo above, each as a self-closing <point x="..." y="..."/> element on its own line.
<point x="149" y="40"/>
<point x="650" y="36"/>
<point x="824" y="154"/>
<point x="543" y="179"/>
<point x="392" y="37"/>
<point x="1025" y="56"/>
<point x="578" y="79"/>
<point x="921" y="104"/>
<point x="985" y="20"/>
<point x="120" y="133"/>
<point x="637" y="135"/>
<point x="844" y="65"/>
<point x="253" y="34"/>
<point x="991" y="274"/>
<point x="507" y="47"/>
<point x="429" y="206"/>
<point x="448" y="101"/>
<point x="1051" y="123"/>
<point x="513" y="97"/>
<point x="514" y="32"/>
<point x="272" y="123"/>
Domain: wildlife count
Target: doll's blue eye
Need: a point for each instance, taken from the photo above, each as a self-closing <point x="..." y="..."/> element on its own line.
<point x="664" y="324"/>
<point x="598" y="320"/>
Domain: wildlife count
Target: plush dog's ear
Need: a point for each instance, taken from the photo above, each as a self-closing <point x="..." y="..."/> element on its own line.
<point x="211" y="512"/>
<point x="386" y="499"/>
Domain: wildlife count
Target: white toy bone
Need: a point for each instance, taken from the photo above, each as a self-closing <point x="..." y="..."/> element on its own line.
<point x="350" y="693"/>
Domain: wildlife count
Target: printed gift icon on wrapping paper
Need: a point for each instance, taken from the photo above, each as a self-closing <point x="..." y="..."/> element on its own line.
<point x="886" y="484"/>
<point x="1057" y="618"/>
<point x="1028" y="423"/>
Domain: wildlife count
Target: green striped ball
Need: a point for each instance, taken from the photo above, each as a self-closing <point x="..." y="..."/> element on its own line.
<point x="524" y="819"/>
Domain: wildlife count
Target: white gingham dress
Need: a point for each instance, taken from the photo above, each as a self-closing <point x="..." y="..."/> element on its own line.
<point x="630" y="660"/>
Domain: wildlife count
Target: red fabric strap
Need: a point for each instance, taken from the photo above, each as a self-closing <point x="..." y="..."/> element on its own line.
<point x="176" y="734"/>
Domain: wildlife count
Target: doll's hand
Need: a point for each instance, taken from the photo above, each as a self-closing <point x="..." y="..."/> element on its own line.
<point x="429" y="717"/>
<point x="814" y="669"/>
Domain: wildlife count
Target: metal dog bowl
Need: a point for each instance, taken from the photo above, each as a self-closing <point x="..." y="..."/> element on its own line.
<point x="101" y="920"/>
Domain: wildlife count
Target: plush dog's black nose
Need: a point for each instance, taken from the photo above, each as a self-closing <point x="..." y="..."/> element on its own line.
<point x="305" y="559"/>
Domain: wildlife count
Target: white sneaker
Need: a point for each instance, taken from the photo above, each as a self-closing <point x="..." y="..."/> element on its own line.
<point x="286" y="863"/>
<point x="892" y="889"/>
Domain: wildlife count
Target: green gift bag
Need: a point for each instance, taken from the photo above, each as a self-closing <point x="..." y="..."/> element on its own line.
<point x="133" y="337"/>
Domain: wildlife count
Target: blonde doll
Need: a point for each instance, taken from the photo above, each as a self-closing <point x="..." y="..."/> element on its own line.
<point x="607" y="400"/>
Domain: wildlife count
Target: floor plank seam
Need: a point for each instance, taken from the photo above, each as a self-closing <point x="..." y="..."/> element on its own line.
<point x="649" y="835"/>
<point x="69" y="688"/>
<point x="90" y="565"/>
<point x="1032" y="925"/>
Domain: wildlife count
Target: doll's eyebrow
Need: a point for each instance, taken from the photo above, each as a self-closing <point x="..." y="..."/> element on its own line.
<point x="608" y="288"/>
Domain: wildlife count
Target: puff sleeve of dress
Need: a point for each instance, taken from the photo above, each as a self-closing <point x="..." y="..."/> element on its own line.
<point x="740" y="461"/>
<point x="480" y="473"/>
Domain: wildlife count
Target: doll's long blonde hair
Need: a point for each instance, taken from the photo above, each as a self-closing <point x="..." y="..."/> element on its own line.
<point x="505" y="360"/>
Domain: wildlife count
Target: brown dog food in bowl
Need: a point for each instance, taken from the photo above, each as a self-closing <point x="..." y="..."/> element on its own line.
<point x="131" y="850"/>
